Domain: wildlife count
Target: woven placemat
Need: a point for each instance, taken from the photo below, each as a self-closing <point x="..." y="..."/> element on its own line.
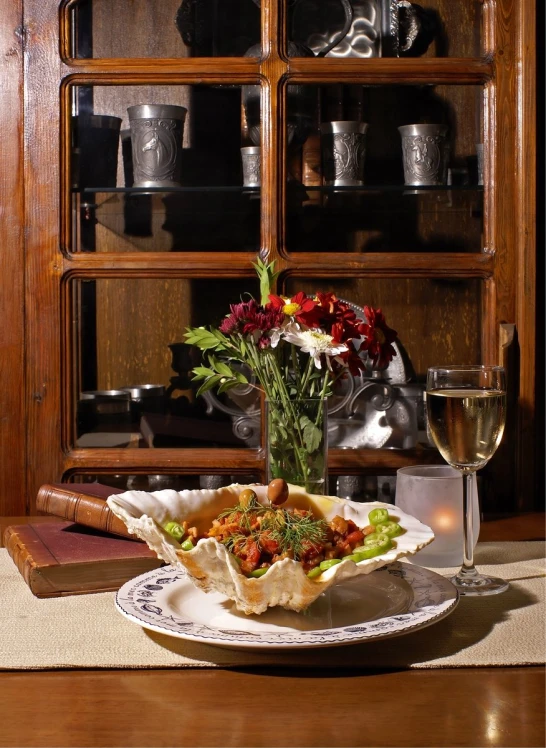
<point x="86" y="631"/>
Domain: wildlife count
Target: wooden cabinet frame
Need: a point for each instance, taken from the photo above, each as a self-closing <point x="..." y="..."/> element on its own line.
<point x="34" y="439"/>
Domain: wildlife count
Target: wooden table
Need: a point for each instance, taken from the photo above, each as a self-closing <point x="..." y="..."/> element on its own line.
<point x="449" y="707"/>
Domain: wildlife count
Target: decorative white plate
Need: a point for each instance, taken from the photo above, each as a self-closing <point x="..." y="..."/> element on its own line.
<point x="388" y="602"/>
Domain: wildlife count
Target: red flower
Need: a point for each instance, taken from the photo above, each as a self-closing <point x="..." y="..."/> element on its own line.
<point x="378" y="338"/>
<point x="349" y="360"/>
<point x="333" y="312"/>
<point x="249" y="318"/>
<point x="299" y="306"/>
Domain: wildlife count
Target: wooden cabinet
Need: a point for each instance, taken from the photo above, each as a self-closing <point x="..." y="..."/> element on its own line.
<point x="101" y="278"/>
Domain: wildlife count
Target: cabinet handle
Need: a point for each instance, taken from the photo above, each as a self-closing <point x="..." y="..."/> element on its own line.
<point x="507" y="339"/>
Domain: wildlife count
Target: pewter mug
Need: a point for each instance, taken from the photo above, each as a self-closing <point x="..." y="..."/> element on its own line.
<point x="343" y="152"/>
<point x="146" y="398"/>
<point x="156" y="141"/>
<point x="250" y="156"/>
<point x="425" y="152"/>
<point x="378" y="28"/>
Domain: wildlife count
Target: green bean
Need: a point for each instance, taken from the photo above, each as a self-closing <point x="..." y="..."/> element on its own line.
<point x="259" y="572"/>
<point x="175" y="530"/>
<point x="377" y="539"/>
<point x="324" y="565"/>
<point x="356" y="557"/>
<point x="378" y="515"/>
<point x="374" y="545"/>
<point x="392" y="529"/>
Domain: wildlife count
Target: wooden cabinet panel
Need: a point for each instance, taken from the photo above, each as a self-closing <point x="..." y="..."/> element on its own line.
<point x="12" y="297"/>
<point x="445" y="298"/>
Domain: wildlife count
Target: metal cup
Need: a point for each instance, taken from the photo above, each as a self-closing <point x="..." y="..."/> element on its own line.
<point x="146" y="398"/>
<point x="98" y="408"/>
<point x="343" y="152"/>
<point x="250" y="156"/>
<point x="156" y="142"/>
<point x="425" y="151"/>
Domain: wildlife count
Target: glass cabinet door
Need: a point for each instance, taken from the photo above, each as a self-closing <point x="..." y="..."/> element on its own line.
<point x="356" y="169"/>
<point x="104" y="29"/>
<point x="356" y="143"/>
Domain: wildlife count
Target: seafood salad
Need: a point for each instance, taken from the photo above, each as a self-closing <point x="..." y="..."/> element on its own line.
<point x="259" y="535"/>
<point x="264" y="546"/>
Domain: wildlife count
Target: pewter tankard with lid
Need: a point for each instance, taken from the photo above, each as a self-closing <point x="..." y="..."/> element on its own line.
<point x="378" y="28"/>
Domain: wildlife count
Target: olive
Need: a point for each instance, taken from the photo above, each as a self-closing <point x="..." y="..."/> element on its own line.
<point x="277" y="491"/>
<point x="247" y="497"/>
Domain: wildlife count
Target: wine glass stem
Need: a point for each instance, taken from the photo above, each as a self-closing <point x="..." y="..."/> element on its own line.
<point x="468" y="525"/>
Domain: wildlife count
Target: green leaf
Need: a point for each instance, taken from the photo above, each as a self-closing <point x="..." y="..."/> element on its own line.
<point x="223" y="369"/>
<point x="224" y="343"/>
<point x="208" y="384"/>
<point x="267" y="277"/>
<point x="312" y="435"/>
<point x="202" y="338"/>
<point x="203" y="371"/>
<point x="227" y="384"/>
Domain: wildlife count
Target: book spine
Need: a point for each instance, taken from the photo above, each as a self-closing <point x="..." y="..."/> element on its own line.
<point x="28" y="559"/>
<point x="85" y="510"/>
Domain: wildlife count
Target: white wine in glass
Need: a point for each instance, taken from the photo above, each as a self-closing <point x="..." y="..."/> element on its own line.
<point x="466" y="409"/>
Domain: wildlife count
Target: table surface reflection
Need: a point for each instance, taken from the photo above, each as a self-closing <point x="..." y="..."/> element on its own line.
<point x="281" y="707"/>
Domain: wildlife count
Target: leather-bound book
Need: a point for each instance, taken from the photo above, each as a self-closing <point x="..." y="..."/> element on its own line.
<point x="62" y="558"/>
<point x="83" y="503"/>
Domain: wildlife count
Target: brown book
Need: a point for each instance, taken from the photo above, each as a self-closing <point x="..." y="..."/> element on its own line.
<point x="83" y="503"/>
<point x="62" y="558"/>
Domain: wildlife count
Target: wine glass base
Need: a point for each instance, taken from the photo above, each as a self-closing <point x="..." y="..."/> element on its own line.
<point x="479" y="584"/>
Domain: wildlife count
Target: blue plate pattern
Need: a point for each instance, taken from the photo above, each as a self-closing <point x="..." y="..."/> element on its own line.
<point x="144" y="601"/>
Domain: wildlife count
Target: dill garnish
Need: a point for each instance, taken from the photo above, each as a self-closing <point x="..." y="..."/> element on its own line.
<point x="245" y="513"/>
<point x="233" y="540"/>
<point x="295" y="532"/>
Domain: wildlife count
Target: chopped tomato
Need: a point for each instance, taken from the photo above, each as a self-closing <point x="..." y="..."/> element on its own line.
<point x="269" y="544"/>
<point x="354" y="538"/>
<point x="250" y="553"/>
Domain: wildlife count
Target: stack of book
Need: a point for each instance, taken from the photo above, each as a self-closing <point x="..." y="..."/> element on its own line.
<point x="87" y="550"/>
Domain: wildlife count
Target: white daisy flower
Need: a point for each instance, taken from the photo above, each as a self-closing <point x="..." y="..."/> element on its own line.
<point x="278" y="333"/>
<point x="314" y="342"/>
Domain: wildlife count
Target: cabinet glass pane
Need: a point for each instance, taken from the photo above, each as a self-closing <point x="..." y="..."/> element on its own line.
<point x="158" y="482"/>
<point x="160" y="169"/>
<point x="354" y="487"/>
<point x="131" y="367"/>
<point x="365" y="29"/>
<point x="103" y="29"/>
<point x="438" y="320"/>
<point x="132" y="387"/>
<point x="357" y="183"/>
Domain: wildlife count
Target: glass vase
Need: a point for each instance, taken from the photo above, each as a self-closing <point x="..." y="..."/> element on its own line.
<point x="297" y="444"/>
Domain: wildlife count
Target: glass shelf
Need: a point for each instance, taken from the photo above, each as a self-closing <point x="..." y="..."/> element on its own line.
<point x="404" y="189"/>
<point x="200" y="218"/>
<point x="136" y="191"/>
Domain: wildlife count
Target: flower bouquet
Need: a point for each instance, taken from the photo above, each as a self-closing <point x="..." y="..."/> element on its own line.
<point x="296" y="349"/>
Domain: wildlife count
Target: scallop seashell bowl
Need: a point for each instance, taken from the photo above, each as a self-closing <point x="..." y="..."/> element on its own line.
<point x="212" y="568"/>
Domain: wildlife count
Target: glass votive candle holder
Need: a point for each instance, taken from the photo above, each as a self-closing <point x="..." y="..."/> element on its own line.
<point x="434" y="495"/>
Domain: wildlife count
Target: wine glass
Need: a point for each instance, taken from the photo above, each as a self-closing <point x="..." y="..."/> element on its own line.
<point x="466" y="409"/>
